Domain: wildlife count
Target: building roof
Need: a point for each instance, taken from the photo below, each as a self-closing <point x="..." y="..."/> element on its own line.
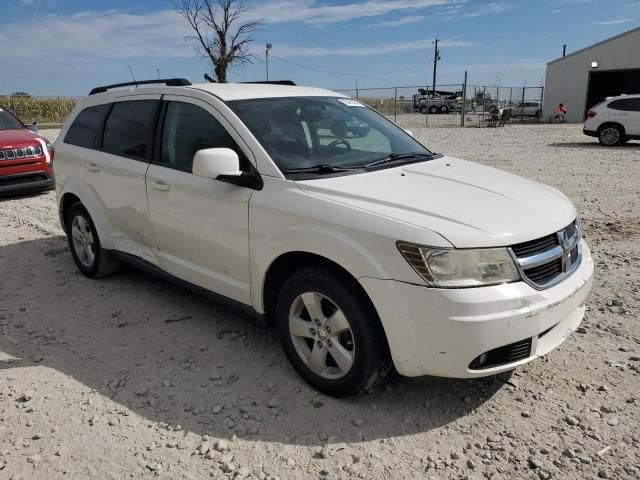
<point x="635" y="30"/>
<point x="243" y="91"/>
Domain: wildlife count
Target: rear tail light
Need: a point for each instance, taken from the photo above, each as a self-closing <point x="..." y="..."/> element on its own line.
<point x="591" y="114"/>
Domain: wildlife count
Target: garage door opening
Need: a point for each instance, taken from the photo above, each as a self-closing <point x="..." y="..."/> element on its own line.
<point x="611" y="83"/>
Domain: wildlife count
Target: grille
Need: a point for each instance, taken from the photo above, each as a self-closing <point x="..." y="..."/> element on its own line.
<point x="535" y="246"/>
<point x="20" y="153"/>
<point x="546" y="261"/>
<point x="544" y="273"/>
<point x="511" y="353"/>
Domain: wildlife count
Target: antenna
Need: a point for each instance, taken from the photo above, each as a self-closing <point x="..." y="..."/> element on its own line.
<point x="132" y="76"/>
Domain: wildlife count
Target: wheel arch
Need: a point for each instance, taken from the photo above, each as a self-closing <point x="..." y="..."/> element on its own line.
<point x="611" y="124"/>
<point x="66" y="201"/>
<point x="287" y="264"/>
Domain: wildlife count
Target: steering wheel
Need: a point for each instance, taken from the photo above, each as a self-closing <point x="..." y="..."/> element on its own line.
<point x="338" y="142"/>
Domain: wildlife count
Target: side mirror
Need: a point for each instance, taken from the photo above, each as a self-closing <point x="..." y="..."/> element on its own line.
<point x="216" y="162"/>
<point x="409" y="132"/>
<point x="34" y="127"/>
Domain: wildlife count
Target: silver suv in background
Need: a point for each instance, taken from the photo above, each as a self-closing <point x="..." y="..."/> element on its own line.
<point x="614" y="121"/>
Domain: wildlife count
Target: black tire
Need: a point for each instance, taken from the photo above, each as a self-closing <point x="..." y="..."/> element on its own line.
<point x="101" y="264"/>
<point x="371" y="360"/>
<point x="444" y="109"/>
<point x="538" y="114"/>
<point x="433" y="110"/>
<point x="423" y="110"/>
<point x="610" y="135"/>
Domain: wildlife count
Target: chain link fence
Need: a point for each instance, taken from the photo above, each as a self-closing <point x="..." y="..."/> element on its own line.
<point x="452" y="105"/>
<point x="42" y="110"/>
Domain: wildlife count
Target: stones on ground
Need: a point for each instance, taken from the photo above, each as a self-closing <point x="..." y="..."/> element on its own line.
<point x="222" y="446"/>
<point x="604" y="450"/>
<point x="291" y="462"/>
<point x="573" y="421"/>
<point x="25" y="396"/>
<point x="534" y="462"/>
<point x="34" y="459"/>
<point x="203" y="448"/>
<point x="613" y="422"/>
<point x="217" y="409"/>
<point x="93" y="420"/>
<point x="273" y="403"/>
<point x="569" y="453"/>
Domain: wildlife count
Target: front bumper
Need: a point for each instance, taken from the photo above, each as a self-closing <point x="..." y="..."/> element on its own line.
<point x="441" y="331"/>
<point x="26" y="183"/>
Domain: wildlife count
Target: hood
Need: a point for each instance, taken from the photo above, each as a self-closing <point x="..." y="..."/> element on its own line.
<point x="469" y="204"/>
<point x="19" y="138"/>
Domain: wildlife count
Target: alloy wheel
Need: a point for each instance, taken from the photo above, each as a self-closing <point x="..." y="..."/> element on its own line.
<point x="610" y="136"/>
<point x="83" y="241"/>
<point x="321" y="335"/>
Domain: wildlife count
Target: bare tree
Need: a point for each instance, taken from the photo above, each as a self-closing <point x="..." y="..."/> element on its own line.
<point x="219" y="32"/>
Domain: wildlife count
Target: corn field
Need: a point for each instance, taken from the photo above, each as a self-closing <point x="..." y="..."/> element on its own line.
<point x="38" y="109"/>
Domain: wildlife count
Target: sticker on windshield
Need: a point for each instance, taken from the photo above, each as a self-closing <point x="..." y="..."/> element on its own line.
<point x="350" y="103"/>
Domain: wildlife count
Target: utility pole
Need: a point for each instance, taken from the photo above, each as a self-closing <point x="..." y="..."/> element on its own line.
<point x="266" y="55"/>
<point x="564" y="49"/>
<point x="436" y="58"/>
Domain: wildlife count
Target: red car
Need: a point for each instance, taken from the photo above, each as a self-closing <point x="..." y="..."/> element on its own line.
<point x="26" y="158"/>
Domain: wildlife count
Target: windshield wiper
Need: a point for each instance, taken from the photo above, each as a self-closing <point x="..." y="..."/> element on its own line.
<point x="322" y="168"/>
<point x="398" y="156"/>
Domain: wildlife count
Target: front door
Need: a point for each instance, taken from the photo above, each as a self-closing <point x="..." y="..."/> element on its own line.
<point x="200" y="225"/>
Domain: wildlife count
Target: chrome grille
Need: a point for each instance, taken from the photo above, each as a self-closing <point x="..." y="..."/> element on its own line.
<point x="547" y="261"/>
<point x="20" y="153"/>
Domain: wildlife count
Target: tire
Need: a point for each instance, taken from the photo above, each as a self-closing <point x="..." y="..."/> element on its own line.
<point x="444" y="109"/>
<point x="610" y="135"/>
<point x="423" y="110"/>
<point x="331" y="333"/>
<point x="433" y="110"/>
<point x="91" y="259"/>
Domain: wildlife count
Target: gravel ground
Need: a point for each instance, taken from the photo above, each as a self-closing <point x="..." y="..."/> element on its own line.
<point x="132" y="377"/>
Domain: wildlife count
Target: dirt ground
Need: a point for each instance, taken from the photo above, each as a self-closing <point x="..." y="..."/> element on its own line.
<point x="132" y="377"/>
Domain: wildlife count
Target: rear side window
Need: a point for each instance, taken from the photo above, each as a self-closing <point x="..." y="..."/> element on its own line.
<point x="84" y="130"/>
<point x="626" y="105"/>
<point x="187" y="129"/>
<point x="128" y="130"/>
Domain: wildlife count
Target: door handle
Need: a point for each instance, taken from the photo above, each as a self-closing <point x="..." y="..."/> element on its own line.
<point x="160" y="186"/>
<point x="92" y="167"/>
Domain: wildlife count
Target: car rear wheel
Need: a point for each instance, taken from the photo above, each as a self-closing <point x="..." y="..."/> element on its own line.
<point x="611" y="135"/>
<point x="433" y="109"/>
<point x="330" y="333"/>
<point x="423" y="110"/>
<point x="91" y="259"/>
<point x="444" y="109"/>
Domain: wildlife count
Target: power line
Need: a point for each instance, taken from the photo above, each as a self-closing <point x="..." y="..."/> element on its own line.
<point x="415" y="67"/>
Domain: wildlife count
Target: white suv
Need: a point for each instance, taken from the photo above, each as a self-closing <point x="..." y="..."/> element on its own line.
<point x="614" y="121"/>
<point x="367" y="250"/>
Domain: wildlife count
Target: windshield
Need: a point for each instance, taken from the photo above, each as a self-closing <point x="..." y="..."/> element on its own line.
<point x="304" y="132"/>
<point x="8" y="121"/>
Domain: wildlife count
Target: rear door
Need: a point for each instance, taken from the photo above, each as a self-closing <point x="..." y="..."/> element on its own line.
<point x="200" y="225"/>
<point x="116" y="173"/>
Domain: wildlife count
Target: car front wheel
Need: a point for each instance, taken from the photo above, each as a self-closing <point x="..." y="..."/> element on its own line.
<point x="610" y="136"/>
<point x="85" y="244"/>
<point x="330" y="333"/>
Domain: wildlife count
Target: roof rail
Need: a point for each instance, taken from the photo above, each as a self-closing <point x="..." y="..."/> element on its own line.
<point x="169" y="82"/>
<point x="276" y="82"/>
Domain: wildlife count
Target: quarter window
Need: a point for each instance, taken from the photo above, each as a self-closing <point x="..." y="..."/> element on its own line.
<point x="127" y="131"/>
<point x="626" y="105"/>
<point x="83" y="132"/>
<point x="187" y="129"/>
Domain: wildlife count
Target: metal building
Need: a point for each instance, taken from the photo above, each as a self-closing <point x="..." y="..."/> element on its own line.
<point x="584" y="78"/>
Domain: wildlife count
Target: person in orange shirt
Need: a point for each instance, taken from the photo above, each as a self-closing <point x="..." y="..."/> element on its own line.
<point x="561" y="111"/>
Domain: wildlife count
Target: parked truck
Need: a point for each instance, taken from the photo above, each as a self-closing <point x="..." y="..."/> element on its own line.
<point x="428" y="101"/>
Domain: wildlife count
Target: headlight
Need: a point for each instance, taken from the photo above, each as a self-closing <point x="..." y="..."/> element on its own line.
<point x="453" y="268"/>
